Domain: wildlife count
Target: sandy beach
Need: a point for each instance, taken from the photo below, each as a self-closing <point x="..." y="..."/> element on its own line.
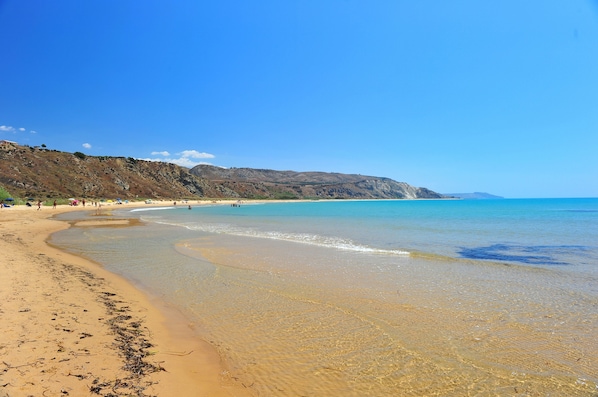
<point x="69" y="327"/>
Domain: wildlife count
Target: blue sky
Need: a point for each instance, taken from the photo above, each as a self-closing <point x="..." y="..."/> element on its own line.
<point x="456" y="96"/>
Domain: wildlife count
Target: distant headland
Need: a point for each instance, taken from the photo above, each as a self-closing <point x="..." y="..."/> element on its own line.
<point x="474" y="196"/>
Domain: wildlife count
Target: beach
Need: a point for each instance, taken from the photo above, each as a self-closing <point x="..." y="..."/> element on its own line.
<point x="69" y="327"/>
<point x="360" y="298"/>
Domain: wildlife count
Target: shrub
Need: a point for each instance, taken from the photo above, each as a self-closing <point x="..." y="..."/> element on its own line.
<point x="4" y="194"/>
<point x="80" y="155"/>
<point x="285" y="196"/>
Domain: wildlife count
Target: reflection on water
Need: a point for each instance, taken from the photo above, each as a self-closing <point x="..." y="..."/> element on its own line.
<point x="299" y="320"/>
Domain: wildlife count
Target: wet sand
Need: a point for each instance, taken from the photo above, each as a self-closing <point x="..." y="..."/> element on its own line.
<point x="69" y="327"/>
<point x="431" y="330"/>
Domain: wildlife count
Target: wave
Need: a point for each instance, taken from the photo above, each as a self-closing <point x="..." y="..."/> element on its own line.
<point x="152" y="209"/>
<point x="300" y="238"/>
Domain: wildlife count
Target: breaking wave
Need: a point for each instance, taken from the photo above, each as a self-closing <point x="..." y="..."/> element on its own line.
<point x="152" y="209"/>
<point x="301" y="238"/>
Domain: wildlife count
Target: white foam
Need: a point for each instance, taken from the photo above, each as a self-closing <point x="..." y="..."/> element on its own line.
<point x="301" y="238"/>
<point x="151" y="209"/>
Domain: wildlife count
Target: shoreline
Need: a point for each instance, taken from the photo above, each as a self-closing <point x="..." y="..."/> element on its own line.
<point x="70" y="327"/>
<point x="420" y="307"/>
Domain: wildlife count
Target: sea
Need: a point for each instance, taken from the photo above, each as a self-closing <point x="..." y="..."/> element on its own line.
<point x="372" y="298"/>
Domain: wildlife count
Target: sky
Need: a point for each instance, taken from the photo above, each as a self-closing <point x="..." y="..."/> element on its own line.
<point x="497" y="96"/>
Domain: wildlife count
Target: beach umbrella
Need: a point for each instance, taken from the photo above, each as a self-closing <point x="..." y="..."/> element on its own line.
<point x="72" y="199"/>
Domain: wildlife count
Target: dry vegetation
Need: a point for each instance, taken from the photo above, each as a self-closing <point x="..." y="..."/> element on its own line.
<point x="44" y="174"/>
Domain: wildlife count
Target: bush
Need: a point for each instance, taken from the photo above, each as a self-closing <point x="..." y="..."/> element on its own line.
<point x="80" y="155"/>
<point x="285" y="196"/>
<point x="4" y="194"/>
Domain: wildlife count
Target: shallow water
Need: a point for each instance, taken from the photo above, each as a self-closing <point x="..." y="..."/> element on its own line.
<point x="309" y="302"/>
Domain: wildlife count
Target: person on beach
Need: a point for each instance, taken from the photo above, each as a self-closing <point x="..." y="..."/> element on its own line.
<point x="39" y="205"/>
<point x="54" y="205"/>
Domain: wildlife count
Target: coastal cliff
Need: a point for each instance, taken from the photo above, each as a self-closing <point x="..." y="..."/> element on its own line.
<point x="43" y="173"/>
<point x="260" y="183"/>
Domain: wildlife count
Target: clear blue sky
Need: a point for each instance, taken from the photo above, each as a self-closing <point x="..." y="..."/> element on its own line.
<point x="458" y="96"/>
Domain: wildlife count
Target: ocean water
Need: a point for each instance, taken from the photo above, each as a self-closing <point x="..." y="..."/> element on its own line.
<point x="375" y="298"/>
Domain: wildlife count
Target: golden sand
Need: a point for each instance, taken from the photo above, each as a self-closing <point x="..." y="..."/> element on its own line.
<point x="69" y="327"/>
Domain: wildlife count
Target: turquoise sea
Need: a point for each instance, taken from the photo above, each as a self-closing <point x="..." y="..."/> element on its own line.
<point x="374" y="298"/>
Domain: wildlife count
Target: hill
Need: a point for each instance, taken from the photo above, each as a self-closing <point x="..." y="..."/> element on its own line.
<point x="261" y="183"/>
<point x="43" y="173"/>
